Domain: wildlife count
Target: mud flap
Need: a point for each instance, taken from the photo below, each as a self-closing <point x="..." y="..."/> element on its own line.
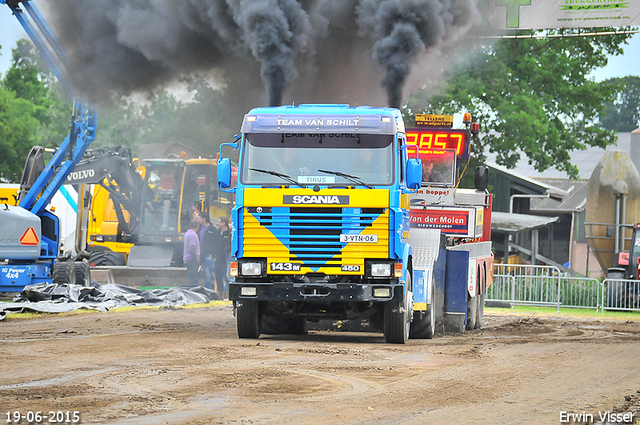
<point x="455" y="296"/>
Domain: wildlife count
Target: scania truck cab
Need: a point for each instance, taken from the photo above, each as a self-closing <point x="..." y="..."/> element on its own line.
<point x="321" y="220"/>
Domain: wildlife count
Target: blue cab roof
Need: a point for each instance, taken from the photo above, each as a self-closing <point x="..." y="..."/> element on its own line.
<point x="323" y="118"/>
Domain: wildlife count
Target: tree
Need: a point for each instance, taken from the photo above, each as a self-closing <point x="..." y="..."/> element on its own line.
<point x="215" y="114"/>
<point x="18" y="126"/>
<point x="623" y="114"/>
<point x="29" y="110"/>
<point x="531" y="97"/>
<point x="119" y="123"/>
<point x="26" y="80"/>
<point x="204" y="122"/>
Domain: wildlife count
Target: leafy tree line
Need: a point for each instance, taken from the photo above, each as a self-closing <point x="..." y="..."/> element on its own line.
<point x="534" y="98"/>
<point x="623" y="113"/>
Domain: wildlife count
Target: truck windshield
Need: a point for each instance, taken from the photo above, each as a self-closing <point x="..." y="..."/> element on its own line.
<point x="369" y="157"/>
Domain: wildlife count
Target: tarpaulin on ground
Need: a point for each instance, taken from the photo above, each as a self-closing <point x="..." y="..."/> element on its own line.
<point x="60" y="298"/>
<point x="542" y="14"/>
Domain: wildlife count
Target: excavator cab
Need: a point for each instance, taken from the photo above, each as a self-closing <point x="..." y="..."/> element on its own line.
<point x="177" y="191"/>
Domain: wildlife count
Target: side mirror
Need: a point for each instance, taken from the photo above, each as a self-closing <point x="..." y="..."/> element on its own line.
<point x="224" y="173"/>
<point x="482" y="178"/>
<point x="414" y="173"/>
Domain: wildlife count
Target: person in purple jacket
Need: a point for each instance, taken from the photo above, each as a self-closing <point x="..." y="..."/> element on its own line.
<point x="191" y="256"/>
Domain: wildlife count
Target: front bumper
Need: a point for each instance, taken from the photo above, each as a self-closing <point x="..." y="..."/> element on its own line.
<point x="316" y="292"/>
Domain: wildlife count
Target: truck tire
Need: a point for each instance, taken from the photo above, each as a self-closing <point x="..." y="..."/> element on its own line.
<point x="63" y="272"/>
<point x="248" y="319"/>
<point x="480" y="311"/>
<point x="397" y="317"/>
<point x="472" y="312"/>
<point x="423" y="325"/>
<point x="83" y="273"/>
<point x="616" y="291"/>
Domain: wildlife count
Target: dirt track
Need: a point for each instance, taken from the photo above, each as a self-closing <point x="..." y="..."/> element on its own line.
<point x="186" y="366"/>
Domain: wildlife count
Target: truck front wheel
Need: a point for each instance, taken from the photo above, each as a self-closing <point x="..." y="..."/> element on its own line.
<point x="397" y="317"/>
<point x="248" y="319"/>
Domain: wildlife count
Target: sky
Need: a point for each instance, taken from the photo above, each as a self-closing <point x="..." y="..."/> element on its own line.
<point x="619" y="66"/>
<point x="10" y="31"/>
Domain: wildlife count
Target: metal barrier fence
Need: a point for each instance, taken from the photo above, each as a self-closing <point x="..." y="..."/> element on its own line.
<point x="520" y="284"/>
<point x="621" y="294"/>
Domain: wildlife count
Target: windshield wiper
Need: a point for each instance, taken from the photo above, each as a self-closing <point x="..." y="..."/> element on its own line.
<point x="352" y="179"/>
<point x="281" y="175"/>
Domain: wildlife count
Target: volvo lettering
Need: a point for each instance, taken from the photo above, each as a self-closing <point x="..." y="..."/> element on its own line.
<point x="84" y="174"/>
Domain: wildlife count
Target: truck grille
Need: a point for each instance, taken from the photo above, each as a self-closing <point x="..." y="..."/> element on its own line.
<point x="312" y="235"/>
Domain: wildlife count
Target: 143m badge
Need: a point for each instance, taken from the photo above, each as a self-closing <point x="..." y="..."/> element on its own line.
<point x="285" y="267"/>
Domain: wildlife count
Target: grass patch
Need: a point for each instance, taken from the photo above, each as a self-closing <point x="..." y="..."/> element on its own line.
<point x="34" y="315"/>
<point x="185" y="307"/>
<point x="581" y="313"/>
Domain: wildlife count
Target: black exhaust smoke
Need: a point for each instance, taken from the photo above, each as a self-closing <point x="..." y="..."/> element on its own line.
<point x="275" y="31"/>
<point x="313" y="50"/>
<point x="402" y="29"/>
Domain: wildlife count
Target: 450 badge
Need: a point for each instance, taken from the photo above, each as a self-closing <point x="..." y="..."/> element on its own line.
<point x="350" y="268"/>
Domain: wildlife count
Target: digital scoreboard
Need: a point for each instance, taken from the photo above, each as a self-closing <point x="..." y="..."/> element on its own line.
<point x="433" y="140"/>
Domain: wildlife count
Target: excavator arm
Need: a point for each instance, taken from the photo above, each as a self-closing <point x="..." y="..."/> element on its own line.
<point x="31" y="250"/>
<point x="113" y="169"/>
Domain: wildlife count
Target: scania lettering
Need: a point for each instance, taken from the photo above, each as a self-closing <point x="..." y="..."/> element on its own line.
<point x="305" y="199"/>
<point x="311" y="250"/>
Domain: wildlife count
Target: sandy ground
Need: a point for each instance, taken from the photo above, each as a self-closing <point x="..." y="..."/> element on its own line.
<point x="186" y="366"/>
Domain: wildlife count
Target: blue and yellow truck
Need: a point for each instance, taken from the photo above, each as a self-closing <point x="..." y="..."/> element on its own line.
<point x="322" y="220"/>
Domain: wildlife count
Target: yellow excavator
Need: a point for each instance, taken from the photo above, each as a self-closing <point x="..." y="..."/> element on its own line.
<point x="132" y="213"/>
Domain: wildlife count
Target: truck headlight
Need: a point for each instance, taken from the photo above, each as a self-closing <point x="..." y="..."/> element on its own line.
<point x="251" y="269"/>
<point x="381" y="270"/>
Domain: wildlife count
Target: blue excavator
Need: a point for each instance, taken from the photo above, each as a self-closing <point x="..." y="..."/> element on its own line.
<point x="30" y="238"/>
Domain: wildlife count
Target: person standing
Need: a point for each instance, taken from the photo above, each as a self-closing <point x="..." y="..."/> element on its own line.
<point x="223" y="252"/>
<point x="191" y="256"/>
<point x="209" y="238"/>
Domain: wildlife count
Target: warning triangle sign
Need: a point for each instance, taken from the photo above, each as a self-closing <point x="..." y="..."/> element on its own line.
<point x="29" y="237"/>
